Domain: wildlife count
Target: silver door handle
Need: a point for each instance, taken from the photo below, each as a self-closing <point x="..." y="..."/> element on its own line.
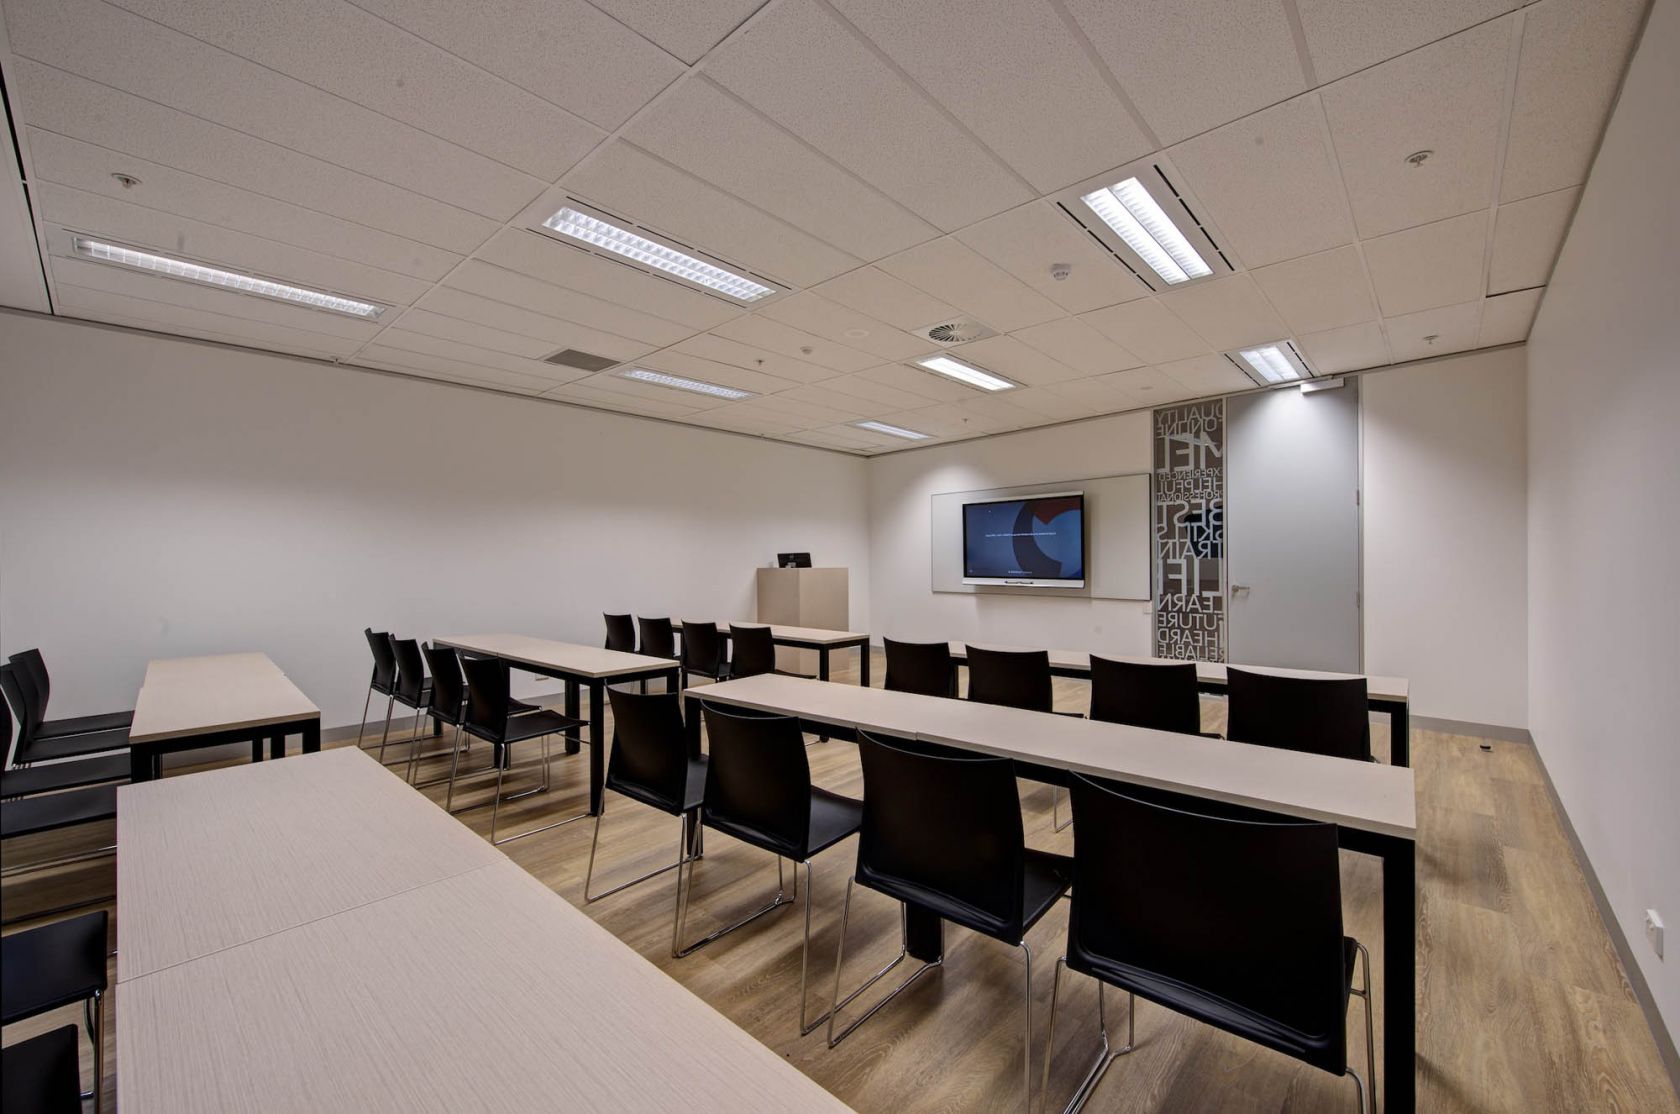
<point x="1239" y="587"/>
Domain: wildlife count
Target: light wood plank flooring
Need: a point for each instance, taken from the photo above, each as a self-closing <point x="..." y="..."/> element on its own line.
<point x="1522" y="1004"/>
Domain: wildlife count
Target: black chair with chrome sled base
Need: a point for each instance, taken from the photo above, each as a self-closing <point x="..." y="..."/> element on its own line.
<point x="384" y="678"/>
<point x="758" y="790"/>
<point x="59" y="964"/>
<point x="1225" y="914"/>
<point x="942" y="831"/>
<point x="490" y="716"/>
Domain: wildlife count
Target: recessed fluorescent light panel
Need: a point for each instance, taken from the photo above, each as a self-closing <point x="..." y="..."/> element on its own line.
<point x="965" y="373"/>
<point x="1271" y="364"/>
<point x="892" y="430"/>
<point x="661" y="379"/>
<point x="602" y="234"/>
<point x="1136" y="218"/>
<point x="228" y="280"/>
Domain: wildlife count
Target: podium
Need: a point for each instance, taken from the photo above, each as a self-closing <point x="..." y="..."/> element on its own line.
<point x="803" y="598"/>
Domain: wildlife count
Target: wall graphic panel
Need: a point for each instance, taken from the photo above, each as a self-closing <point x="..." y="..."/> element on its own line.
<point x="1189" y="520"/>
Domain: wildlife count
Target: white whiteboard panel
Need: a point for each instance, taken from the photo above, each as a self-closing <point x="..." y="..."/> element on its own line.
<point x="1117" y="545"/>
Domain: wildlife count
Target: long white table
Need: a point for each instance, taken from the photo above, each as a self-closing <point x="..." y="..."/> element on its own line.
<point x="394" y="962"/>
<point x="189" y="703"/>
<point x="1373" y="806"/>
<point x="1390" y="695"/>
<point x="577" y="665"/>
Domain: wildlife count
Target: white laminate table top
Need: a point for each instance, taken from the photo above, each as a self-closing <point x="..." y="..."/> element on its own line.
<point x="801" y="634"/>
<point x="571" y="657"/>
<point x="1394" y="689"/>
<point x="1362" y="795"/>
<point x="194" y="696"/>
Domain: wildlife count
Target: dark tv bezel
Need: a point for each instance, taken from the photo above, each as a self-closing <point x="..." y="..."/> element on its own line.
<point x="1029" y="581"/>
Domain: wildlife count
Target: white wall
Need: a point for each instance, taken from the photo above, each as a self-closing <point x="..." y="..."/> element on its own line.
<point x="1604" y="510"/>
<point x="1445" y="549"/>
<point x="162" y="497"/>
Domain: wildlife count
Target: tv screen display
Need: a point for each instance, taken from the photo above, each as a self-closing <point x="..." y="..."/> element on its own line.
<point x="1036" y="540"/>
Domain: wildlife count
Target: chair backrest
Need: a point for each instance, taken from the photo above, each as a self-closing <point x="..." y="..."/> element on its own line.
<point x="1320" y="715"/>
<point x="702" y="647"/>
<point x="659" y="640"/>
<point x="650" y="746"/>
<point x="26" y="700"/>
<point x="758" y="780"/>
<point x="33" y="666"/>
<point x="449" y="687"/>
<point x="487" y="697"/>
<point x="922" y="667"/>
<point x="1235" y="904"/>
<point x="42" y="1074"/>
<point x="1163" y="697"/>
<point x="1013" y="678"/>
<point x="621" y="633"/>
<point x="752" y="651"/>
<point x="411" y="670"/>
<point x="8" y="696"/>
<point x="945" y="824"/>
<point x="384" y="661"/>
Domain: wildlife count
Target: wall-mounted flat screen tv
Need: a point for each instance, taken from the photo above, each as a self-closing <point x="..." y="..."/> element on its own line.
<point x="1026" y="541"/>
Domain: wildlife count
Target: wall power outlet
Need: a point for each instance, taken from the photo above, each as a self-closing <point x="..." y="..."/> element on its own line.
<point x="1654" y="931"/>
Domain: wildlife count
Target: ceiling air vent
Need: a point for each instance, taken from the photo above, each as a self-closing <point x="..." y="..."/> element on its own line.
<point x="583" y="361"/>
<point x="958" y="330"/>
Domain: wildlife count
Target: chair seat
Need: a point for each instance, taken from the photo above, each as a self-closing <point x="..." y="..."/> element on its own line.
<point x="54" y="965"/>
<point x="73" y="746"/>
<point x="64" y="775"/>
<point x="833" y="818"/>
<point x="694" y="792"/>
<point x="1045" y="877"/>
<point x="51" y="811"/>
<point x="1327" y="1050"/>
<point x="531" y="726"/>
<point x="425" y="697"/>
<point x="83" y="725"/>
<point x="520" y="708"/>
<point x="42" y="1074"/>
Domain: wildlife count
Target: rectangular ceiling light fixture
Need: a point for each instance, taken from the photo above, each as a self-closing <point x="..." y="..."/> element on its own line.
<point x="228" y="280"/>
<point x="965" y="373"/>
<point x="1127" y="208"/>
<point x="609" y="237"/>
<point x="661" y="379"/>
<point x="892" y="430"/>
<point x="1270" y="364"/>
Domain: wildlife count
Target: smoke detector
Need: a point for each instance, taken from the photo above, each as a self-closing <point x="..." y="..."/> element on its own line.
<point x="956" y="330"/>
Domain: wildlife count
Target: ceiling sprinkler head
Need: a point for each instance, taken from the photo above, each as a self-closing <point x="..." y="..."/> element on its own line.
<point x="1432" y="338"/>
<point x="1060" y="271"/>
<point x="1418" y="158"/>
<point x="126" y="181"/>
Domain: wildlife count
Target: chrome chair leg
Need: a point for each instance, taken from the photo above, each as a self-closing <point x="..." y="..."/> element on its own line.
<point x="1056" y="824"/>
<point x="1359" y="1085"/>
<point x="1370" y="1034"/>
<point x="840" y="1003"/>
<point x="542" y="788"/>
<point x="678" y="950"/>
<point x="94" y="1009"/>
<point x="1105" y="1058"/>
<point x="390" y="702"/>
<point x="366" y="704"/>
<point x="455" y="749"/>
<point x="589" y="872"/>
<point x="413" y="746"/>
<point x="1026" y="1020"/>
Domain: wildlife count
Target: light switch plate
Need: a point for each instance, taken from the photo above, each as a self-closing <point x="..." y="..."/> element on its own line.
<point x="1654" y="931"/>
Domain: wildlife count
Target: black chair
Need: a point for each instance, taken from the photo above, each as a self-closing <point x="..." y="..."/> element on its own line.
<point x="659" y="640"/>
<point x="56" y="965"/>
<point x="1162" y="697"/>
<point x="942" y="830"/>
<point x="1016" y="679"/>
<point x="758" y="790"/>
<point x="51" y="777"/>
<point x="1320" y="715"/>
<point x="702" y="651"/>
<point x="1223" y="913"/>
<point x="384" y="677"/>
<point x="621" y="633"/>
<point x="447" y="703"/>
<point x="53" y="796"/>
<point x="42" y="1075"/>
<point x="753" y="652"/>
<point x="26" y="700"/>
<point x="490" y="717"/>
<point x="651" y="763"/>
<point x="922" y="667"/>
<point x="413" y="689"/>
<point x="34" y="667"/>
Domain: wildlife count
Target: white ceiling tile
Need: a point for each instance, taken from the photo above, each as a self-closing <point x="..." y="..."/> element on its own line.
<point x="1507" y="318"/>
<point x="686" y="28"/>
<point x="1207" y="375"/>
<point x="1147" y="329"/>
<point x="565" y="51"/>
<point x="708" y="346"/>
<point x="628" y="181"/>
<point x="452" y="376"/>
<point x="999" y="411"/>
<point x="493" y="284"/>
<point x="120" y="122"/>
<point x="1015" y="75"/>
<point x="940" y="420"/>
<point x="833" y="437"/>
<point x="471" y="332"/>
<point x="1436" y="265"/>
<point x="1021" y="362"/>
<point x="953" y="273"/>
<point x="166" y="233"/>
<point x="809" y="414"/>
<point x="611" y="383"/>
<point x="872" y="291"/>
<point x="732" y="417"/>
<point x="283" y="344"/>
<point x="1149" y="386"/>
<point x="354" y="54"/>
<point x="1098" y="395"/>
<point x="1452" y="327"/>
<point x="918" y="381"/>
<point x="849" y="406"/>
<point x="1270" y="182"/>
<point x="106" y="44"/>
<point x="1053" y="407"/>
<point x="667" y="404"/>
<point x="1526" y="237"/>
<point x="455" y="352"/>
<point x="550" y="261"/>
<point x="556" y="333"/>
<point x="1027" y="240"/>
<point x="1573" y="55"/>
<point x="1350" y="348"/>
<point x="1227" y="312"/>
<point x="1190" y="65"/>
<point x="874" y="392"/>
<point x="1318" y="292"/>
<point x="1344" y="37"/>
<point x="81" y="301"/>
<point x="814" y="314"/>
<point x="23" y="283"/>
<point x="1448" y="98"/>
<point x="799" y="66"/>
<point x="1078" y="345"/>
<point x="795" y="344"/>
<point x="712" y="135"/>
<point x="710" y="371"/>
<point x="458" y="370"/>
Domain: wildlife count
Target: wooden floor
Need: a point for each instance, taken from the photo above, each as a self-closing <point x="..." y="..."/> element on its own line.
<point x="1522" y="1004"/>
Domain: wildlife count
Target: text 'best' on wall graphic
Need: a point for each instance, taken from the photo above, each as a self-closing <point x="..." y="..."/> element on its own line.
<point x="1189" y="521"/>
